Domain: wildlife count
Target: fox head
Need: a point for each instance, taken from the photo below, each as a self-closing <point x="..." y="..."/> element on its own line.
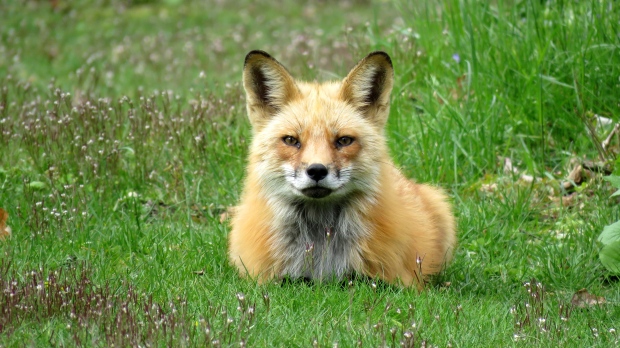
<point x="313" y="141"/>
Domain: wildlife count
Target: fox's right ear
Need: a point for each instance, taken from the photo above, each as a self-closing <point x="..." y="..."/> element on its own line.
<point x="268" y="86"/>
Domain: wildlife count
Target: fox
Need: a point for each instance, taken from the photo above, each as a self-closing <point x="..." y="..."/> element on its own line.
<point x="322" y="198"/>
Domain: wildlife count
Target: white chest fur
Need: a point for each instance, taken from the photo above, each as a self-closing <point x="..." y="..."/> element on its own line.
<point x="319" y="241"/>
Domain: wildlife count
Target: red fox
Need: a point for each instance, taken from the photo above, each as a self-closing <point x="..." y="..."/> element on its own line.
<point x="322" y="198"/>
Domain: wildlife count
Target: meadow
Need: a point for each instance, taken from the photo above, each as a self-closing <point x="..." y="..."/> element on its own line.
<point x="123" y="140"/>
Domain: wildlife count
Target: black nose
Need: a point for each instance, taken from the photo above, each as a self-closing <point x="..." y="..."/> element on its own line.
<point x="316" y="171"/>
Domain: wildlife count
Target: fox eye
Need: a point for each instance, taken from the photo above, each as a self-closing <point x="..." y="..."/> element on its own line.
<point x="344" y="141"/>
<point x="291" y="141"/>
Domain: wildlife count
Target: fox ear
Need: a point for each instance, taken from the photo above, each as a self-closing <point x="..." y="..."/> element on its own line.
<point x="268" y="86"/>
<point x="368" y="86"/>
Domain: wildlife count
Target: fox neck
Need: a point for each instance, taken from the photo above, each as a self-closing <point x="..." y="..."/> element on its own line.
<point x="320" y="240"/>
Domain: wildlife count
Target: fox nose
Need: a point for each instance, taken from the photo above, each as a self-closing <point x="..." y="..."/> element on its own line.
<point x="316" y="171"/>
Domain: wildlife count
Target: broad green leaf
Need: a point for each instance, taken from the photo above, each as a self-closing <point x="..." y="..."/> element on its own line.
<point x="610" y="256"/>
<point x="610" y="234"/>
<point x="37" y="185"/>
<point x="614" y="180"/>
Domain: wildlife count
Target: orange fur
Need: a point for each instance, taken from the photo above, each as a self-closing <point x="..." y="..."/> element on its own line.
<point x="249" y="251"/>
<point x="413" y="231"/>
<point x="378" y="222"/>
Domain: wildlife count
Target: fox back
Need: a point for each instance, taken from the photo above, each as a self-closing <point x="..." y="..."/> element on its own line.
<point x="322" y="199"/>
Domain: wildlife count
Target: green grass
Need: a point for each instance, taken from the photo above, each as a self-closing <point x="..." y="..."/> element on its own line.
<point x="123" y="137"/>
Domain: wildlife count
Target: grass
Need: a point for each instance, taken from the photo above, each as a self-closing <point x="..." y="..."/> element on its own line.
<point x="124" y="136"/>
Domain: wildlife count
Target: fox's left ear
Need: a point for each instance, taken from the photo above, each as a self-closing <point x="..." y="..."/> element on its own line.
<point x="368" y="86"/>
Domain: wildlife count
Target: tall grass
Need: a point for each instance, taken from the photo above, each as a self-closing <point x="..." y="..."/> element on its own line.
<point x="517" y="79"/>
